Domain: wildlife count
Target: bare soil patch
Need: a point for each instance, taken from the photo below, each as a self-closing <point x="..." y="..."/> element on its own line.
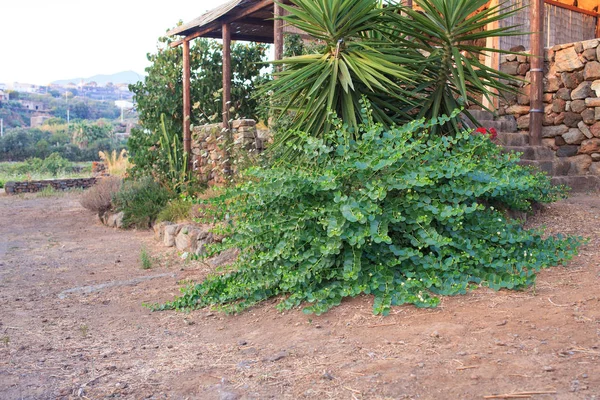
<point x="72" y="325"/>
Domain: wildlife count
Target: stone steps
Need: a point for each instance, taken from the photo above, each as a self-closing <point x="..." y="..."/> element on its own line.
<point x="512" y="139"/>
<point x="500" y="124"/>
<point x="578" y="183"/>
<point x="535" y="153"/>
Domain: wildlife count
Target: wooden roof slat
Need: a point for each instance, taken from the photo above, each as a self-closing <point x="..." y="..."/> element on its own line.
<point x="232" y="15"/>
<point x="206" y="18"/>
<point x="573" y="8"/>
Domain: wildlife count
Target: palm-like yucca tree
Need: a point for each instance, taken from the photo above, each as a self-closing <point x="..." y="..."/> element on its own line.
<point x="408" y="63"/>
<point x="453" y="73"/>
<point x="354" y="61"/>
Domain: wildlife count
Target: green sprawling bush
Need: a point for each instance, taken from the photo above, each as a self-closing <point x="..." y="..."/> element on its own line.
<point x="141" y="201"/>
<point x="175" y="211"/>
<point x="399" y="213"/>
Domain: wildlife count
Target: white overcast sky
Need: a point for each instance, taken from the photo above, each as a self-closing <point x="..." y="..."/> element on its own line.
<point x="42" y="41"/>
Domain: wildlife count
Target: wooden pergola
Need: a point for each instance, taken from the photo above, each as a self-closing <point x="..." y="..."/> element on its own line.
<point x="250" y="20"/>
<point x="256" y="20"/>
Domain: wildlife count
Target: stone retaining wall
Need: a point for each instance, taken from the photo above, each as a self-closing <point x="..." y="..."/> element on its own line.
<point x="190" y="238"/>
<point x="57" y="184"/>
<point x="217" y="152"/>
<point x="571" y="125"/>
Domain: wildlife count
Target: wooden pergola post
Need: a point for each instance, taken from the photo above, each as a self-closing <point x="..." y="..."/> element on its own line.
<point x="278" y="32"/>
<point x="492" y="59"/>
<point x="537" y="73"/>
<point x="226" y="74"/>
<point x="187" y="137"/>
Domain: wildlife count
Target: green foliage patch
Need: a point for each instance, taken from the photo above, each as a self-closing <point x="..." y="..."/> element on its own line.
<point x="399" y="213"/>
<point x="140" y="200"/>
<point x="176" y="210"/>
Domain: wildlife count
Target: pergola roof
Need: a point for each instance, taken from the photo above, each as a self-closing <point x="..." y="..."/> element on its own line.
<point x="250" y="20"/>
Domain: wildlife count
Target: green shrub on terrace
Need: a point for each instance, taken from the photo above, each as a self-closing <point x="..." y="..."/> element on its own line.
<point x="397" y="213"/>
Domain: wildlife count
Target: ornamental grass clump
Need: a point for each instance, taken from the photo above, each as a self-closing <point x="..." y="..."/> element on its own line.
<point x="398" y="213"/>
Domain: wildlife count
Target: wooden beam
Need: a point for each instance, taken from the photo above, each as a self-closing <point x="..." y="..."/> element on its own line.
<point x="237" y="36"/>
<point x="232" y="18"/>
<point x="226" y="74"/>
<point x="187" y="137"/>
<point x="492" y="59"/>
<point x="572" y="8"/>
<point x="536" y="110"/>
<point x="278" y="32"/>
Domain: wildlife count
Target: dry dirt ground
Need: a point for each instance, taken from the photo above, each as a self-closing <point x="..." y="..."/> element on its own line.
<point x="72" y="325"/>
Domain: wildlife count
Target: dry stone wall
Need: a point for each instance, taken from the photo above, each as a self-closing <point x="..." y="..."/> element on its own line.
<point x="571" y="125"/>
<point x="56" y="184"/>
<point x="217" y="152"/>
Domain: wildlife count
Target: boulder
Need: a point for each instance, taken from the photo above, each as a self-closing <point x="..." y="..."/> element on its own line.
<point x="589" y="44"/>
<point x="524" y="68"/>
<point x="509" y="67"/>
<point x="596" y="87"/>
<point x="159" y="230"/>
<point x="589" y="116"/>
<point x="580" y="164"/>
<point x="590" y="146"/>
<point x="567" y="151"/>
<point x="517" y="109"/>
<point x="595" y="129"/>
<point x="552" y="84"/>
<point x="577" y="106"/>
<point x="585" y="130"/>
<point x="559" y="141"/>
<point x="114" y="220"/>
<point x="567" y="60"/>
<point x="582" y="91"/>
<point x="170" y="234"/>
<point x="204" y="239"/>
<point x="591" y="71"/>
<point x="571" y="80"/>
<point x="574" y="136"/>
<point x="523" y="121"/>
<point x="564" y="93"/>
<point x="594" y="168"/>
<point x="592" y="102"/>
<point x="186" y="239"/>
<point x="572" y="119"/>
<point x="590" y="54"/>
<point x="552" y="131"/>
<point x="595" y="157"/>
<point x="524" y="96"/>
<point x="558" y="105"/>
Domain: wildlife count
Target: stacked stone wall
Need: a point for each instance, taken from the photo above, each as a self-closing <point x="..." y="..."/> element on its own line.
<point x="217" y="153"/>
<point x="56" y="184"/>
<point x="571" y="124"/>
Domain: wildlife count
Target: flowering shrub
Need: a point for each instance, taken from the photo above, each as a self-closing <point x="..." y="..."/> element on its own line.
<point x="399" y="214"/>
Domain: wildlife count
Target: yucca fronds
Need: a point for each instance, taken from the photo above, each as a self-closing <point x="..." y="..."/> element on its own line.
<point x="407" y="63"/>
<point x="354" y="62"/>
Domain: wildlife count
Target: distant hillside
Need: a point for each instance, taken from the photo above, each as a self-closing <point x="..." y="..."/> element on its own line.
<point x="101" y="80"/>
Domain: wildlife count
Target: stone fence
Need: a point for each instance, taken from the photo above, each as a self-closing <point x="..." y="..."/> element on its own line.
<point x="571" y="125"/>
<point x="56" y="184"/>
<point x="217" y="152"/>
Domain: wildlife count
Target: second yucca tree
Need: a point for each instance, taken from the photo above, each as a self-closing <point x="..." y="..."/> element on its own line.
<point x="407" y="63"/>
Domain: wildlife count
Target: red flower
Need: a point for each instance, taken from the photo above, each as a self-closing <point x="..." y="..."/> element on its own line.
<point x="492" y="132"/>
